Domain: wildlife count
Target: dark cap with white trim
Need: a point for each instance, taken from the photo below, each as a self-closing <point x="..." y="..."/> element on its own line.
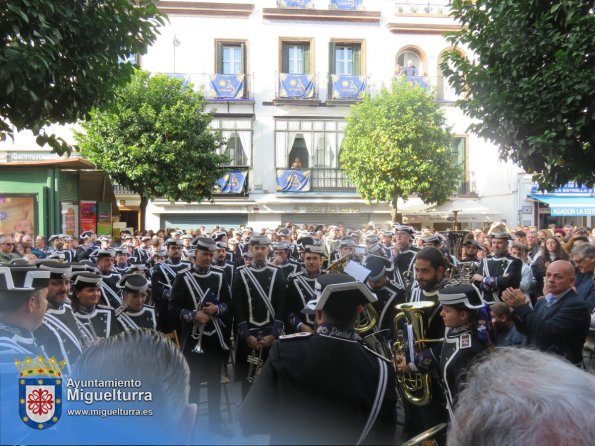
<point x="461" y="295"/>
<point x="58" y="270"/>
<point x="86" y="279"/>
<point x="133" y="283"/>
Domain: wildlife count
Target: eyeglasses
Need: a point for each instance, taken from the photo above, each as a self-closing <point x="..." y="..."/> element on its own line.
<point x="8" y="244"/>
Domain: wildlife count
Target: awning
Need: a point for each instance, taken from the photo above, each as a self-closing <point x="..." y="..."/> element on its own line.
<point x="461" y="206"/>
<point x="568" y="206"/>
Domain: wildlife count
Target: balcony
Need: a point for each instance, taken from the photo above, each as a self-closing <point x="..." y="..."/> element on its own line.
<point x="121" y="190"/>
<point x="346" y="88"/>
<point x="426" y="8"/>
<point x="331" y="180"/>
<point x="218" y="87"/>
<point x="296" y="89"/>
<point x="316" y="179"/>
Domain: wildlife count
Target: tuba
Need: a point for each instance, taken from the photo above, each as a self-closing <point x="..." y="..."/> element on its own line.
<point x="414" y="385"/>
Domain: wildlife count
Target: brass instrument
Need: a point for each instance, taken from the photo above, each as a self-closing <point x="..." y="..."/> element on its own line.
<point x="378" y="342"/>
<point x="415" y="385"/>
<point x="462" y="274"/>
<point x="121" y="309"/>
<point x="426" y="438"/>
<point x="366" y="320"/>
<point x="197" y="333"/>
<point x="338" y="266"/>
<point x="255" y="361"/>
<point x="88" y="333"/>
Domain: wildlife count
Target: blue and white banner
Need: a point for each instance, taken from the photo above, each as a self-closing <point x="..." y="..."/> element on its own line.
<point x="346" y="86"/>
<point x="289" y="180"/>
<point x="301" y="4"/>
<point x="227" y="86"/>
<point x="417" y="80"/>
<point x="347" y="5"/>
<point x="296" y="86"/>
<point x="232" y="183"/>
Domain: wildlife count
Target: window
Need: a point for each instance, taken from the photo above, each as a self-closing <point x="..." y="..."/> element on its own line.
<point x="231" y="57"/>
<point x="345" y="58"/>
<point x="296" y="55"/>
<point x="295" y="58"/>
<point x="460" y="145"/>
<point x="316" y="143"/>
<point x="238" y="133"/>
<point x="411" y="61"/>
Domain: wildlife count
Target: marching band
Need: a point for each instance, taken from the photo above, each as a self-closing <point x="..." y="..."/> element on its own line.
<point x="420" y="318"/>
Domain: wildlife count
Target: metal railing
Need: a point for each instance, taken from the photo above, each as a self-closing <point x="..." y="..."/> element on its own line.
<point x="202" y="83"/>
<point x="433" y="7"/>
<point x="330" y="180"/>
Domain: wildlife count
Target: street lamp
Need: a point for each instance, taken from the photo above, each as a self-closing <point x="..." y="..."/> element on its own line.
<point x="176" y="43"/>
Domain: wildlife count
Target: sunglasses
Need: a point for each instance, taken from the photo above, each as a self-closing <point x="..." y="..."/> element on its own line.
<point x="8" y="244"/>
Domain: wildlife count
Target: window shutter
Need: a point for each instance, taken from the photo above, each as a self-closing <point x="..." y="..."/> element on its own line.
<point x="284" y="57"/>
<point x="219" y="67"/>
<point x="332" y="69"/>
<point x="356" y="60"/>
<point x="306" y="53"/>
<point x="243" y="52"/>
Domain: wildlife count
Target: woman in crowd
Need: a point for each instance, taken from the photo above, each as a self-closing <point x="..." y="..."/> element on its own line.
<point x="550" y="251"/>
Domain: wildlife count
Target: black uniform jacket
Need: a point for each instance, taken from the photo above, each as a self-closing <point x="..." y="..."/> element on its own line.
<point x="499" y="273"/>
<point x="320" y="389"/>
<point x="461" y="348"/>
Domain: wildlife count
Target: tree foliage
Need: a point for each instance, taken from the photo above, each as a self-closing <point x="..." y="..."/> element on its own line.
<point x="155" y="140"/>
<point x="396" y="144"/>
<point x="60" y="59"/>
<point x="530" y="82"/>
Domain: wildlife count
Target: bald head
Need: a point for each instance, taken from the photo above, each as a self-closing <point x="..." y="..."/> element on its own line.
<point x="559" y="277"/>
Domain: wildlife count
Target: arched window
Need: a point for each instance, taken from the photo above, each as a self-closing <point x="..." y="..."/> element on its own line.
<point x="412" y="60"/>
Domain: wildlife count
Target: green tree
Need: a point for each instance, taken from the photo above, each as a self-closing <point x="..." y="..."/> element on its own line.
<point x="60" y="59"/>
<point x="396" y="144"/>
<point x="155" y="140"/>
<point x="530" y="82"/>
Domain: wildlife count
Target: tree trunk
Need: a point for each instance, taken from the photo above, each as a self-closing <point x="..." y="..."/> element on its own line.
<point x="143" y="211"/>
<point x="396" y="216"/>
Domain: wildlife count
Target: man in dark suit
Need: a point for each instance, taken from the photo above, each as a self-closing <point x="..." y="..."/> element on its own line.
<point x="325" y="388"/>
<point x="560" y="321"/>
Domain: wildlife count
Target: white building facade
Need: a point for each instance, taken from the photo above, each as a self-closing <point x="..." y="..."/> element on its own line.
<point x="255" y="50"/>
<point x="267" y="128"/>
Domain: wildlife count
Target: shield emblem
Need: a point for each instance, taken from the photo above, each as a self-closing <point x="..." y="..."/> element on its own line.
<point x="40" y="402"/>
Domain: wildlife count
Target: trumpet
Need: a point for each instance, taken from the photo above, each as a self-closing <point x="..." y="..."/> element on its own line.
<point x="121" y="309"/>
<point x="255" y="361"/>
<point x="88" y="333"/>
<point x="197" y="333"/>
